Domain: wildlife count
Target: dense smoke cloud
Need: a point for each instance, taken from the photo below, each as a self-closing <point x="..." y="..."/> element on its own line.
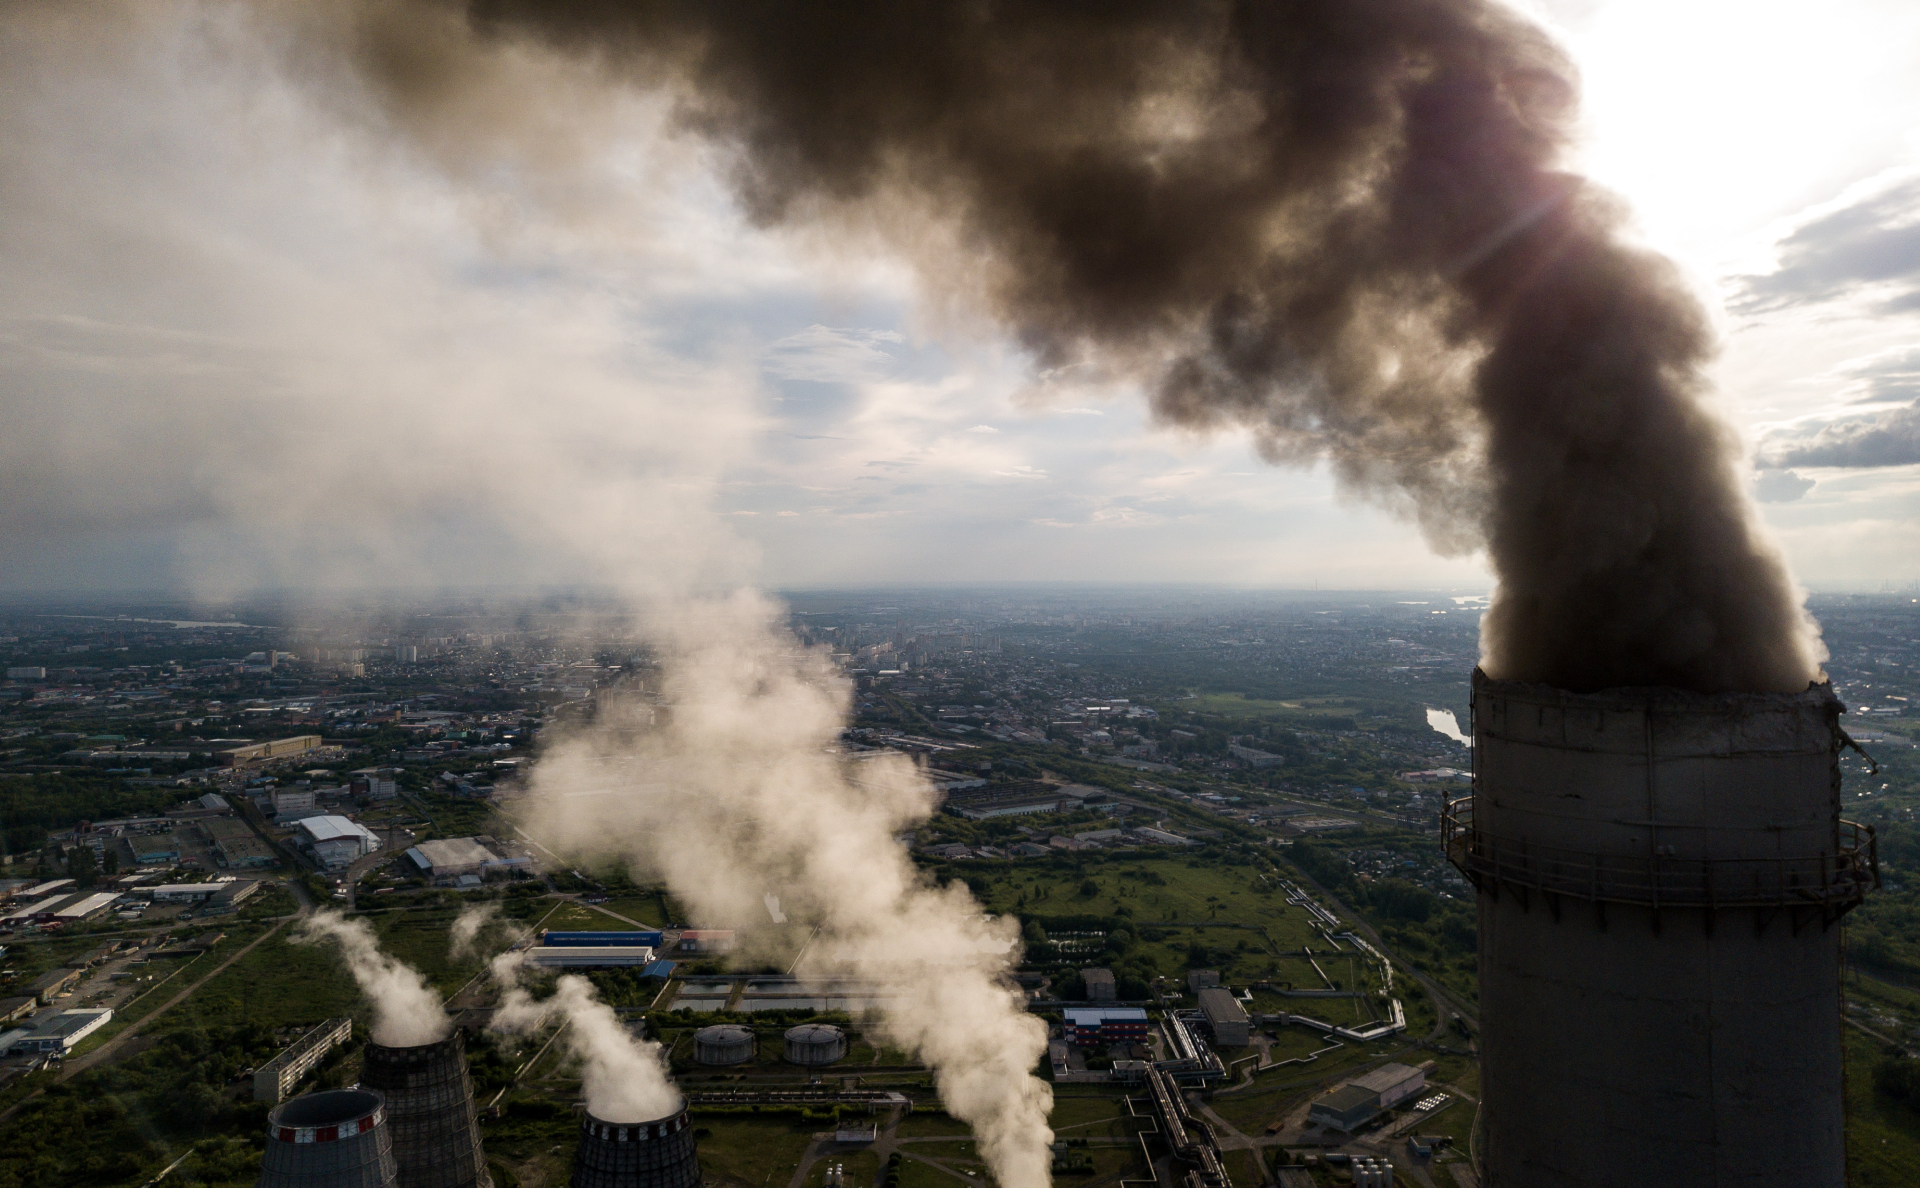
<point x="1340" y="224"/>
<point x="406" y="1011"/>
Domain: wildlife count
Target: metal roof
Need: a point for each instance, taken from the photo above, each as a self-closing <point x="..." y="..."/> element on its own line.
<point x="332" y="828"/>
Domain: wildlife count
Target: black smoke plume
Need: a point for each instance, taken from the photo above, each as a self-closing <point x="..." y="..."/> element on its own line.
<point x="1341" y="224"/>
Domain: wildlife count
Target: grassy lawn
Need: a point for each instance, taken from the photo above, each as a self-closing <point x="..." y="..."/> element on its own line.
<point x="645" y="908"/>
<point x="1244" y="1169"/>
<point x="1155" y="891"/>
<point x="1082" y="1111"/>
<point x="1883" y="1135"/>
<point x="1239" y="705"/>
<point x="915" y="1174"/>
<point x="862" y="1169"/>
<point x="1454" y="1118"/>
<point x="752" y="1152"/>
<point x="921" y="1124"/>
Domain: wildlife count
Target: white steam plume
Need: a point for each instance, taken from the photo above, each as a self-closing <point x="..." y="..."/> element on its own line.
<point x="739" y="790"/>
<point x="467" y="927"/>
<point x="207" y="268"/>
<point x="406" y="1011"/>
<point x="623" y="1078"/>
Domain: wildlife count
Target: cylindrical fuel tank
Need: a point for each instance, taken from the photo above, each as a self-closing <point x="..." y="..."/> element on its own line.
<point x="336" y="1139"/>
<point x="436" y="1139"/>
<point x="656" y="1154"/>
<point x="723" y="1043"/>
<point x="815" y="1044"/>
<point x="1660" y="878"/>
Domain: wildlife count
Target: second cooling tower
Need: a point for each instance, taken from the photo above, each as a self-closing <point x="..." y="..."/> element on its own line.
<point x="429" y="1094"/>
<point x="1660" y="876"/>
<point x="656" y="1154"/>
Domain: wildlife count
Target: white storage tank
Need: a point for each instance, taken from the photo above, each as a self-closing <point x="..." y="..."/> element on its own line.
<point x="724" y="1043"/>
<point x="815" y="1044"/>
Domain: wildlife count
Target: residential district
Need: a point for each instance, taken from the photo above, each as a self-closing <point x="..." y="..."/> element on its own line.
<point x="1213" y="814"/>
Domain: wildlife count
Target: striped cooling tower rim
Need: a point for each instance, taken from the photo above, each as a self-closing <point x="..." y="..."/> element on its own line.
<point x="641" y="1133"/>
<point x="328" y="1134"/>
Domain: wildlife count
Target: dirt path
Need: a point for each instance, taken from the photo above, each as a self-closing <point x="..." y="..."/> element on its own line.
<point x="73" y="1068"/>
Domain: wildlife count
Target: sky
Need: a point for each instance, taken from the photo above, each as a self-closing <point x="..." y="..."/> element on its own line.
<point x="249" y="338"/>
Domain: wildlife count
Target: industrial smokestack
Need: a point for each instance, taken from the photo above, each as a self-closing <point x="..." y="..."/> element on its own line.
<point x="656" y="1154"/>
<point x="1660" y="874"/>
<point x="337" y="1139"/>
<point x="429" y="1096"/>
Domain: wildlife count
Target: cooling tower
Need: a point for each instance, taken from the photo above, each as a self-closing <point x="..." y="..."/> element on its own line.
<point x="657" y="1154"/>
<point x="329" y="1140"/>
<point x="723" y="1043"/>
<point x="1660" y="879"/>
<point x="436" y="1141"/>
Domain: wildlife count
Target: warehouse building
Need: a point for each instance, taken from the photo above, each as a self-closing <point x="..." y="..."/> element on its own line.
<point x="82" y="909"/>
<point x="455" y="857"/>
<point x="555" y="938"/>
<point x="58" y="1033"/>
<point x="279" y="748"/>
<point x="183" y="892"/>
<point x="588" y="956"/>
<point x="1226" y="1018"/>
<point x="335" y="842"/>
<point x="1105" y="1025"/>
<point x="1364" y="1098"/>
<point x="47" y="985"/>
<point x="1099" y="983"/>
<point x="706" y="940"/>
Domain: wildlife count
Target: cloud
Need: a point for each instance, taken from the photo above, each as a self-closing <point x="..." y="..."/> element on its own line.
<point x="1780" y="486"/>
<point x="831" y="355"/>
<point x="1890" y="438"/>
<point x="1867" y="240"/>
<point x="983" y="429"/>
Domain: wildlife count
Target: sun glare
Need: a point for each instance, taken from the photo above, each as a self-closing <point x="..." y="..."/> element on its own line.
<point x="1714" y="117"/>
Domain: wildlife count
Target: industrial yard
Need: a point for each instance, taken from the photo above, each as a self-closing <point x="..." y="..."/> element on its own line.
<point x="1292" y="940"/>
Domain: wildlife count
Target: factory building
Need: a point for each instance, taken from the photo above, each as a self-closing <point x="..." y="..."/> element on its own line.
<point x="279" y="748"/>
<point x="31" y="911"/>
<point x="1661" y="877"/>
<point x="707" y="940"/>
<point x="725" y="1043"/>
<point x="812" y="1044"/>
<point x="82" y="909"/>
<point x="47" y="985"/>
<point x="335" y="842"/>
<point x="276" y="1078"/>
<point x="338" y="1139"/>
<point x="1225" y="1017"/>
<point x="1099" y="983"/>
<point x="555" y="938"/>
<point x="57" y="1033"/>
<point x="458" y="857"/>
<point x="449" y="858"/>
<point x="1364" y="1098"/>
<point x="588" y="956"/>
<point x="183" y="892"/>
<point x="1105" y="1025"/>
